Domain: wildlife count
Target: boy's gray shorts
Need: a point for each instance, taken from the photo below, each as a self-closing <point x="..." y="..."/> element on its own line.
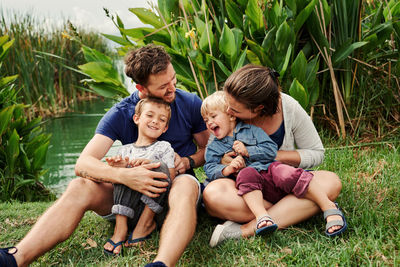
<point x="111" y="217"/>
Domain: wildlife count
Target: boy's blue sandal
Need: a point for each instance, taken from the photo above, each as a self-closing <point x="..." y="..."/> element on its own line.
<point x="266" y="229"/>
<point x="6" y="258"/>
<point x="137" y="240"/>
<point x="342" y="222"/>
<point x="115" y="245"/>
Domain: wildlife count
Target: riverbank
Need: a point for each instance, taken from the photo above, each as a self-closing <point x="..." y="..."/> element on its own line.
<point x="370" y="199"/>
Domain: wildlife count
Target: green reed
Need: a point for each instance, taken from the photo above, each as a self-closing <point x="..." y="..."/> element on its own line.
<point x="40" y="55"/>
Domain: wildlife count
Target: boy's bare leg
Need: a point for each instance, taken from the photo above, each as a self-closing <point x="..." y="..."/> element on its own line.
<point x="62" y="218"/>
<point x="255" y="202"/>
<point x="144" y="226"/>
<point x="181" y="219"/>
<point x="120" y="231"/>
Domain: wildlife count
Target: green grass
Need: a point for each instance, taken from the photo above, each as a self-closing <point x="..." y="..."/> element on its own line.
<point x="370" y="199"/>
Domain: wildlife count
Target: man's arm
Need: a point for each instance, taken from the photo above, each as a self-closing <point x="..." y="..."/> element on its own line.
<point x="201" y="139"/>
<point x="90" y="166"/>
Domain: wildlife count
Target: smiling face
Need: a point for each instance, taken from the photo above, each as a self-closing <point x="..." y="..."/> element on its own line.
<point x="220" y="123"/>
<point x="152" y="121"/>
<point x="161" y="85"/>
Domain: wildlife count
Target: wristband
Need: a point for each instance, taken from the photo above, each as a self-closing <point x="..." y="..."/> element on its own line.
<point x="191" y="162"/>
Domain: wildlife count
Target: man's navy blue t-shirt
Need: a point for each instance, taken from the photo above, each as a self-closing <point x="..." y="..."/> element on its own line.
<point x="186" y="120"/>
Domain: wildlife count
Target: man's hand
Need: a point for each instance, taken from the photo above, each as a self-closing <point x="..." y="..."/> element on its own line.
<point x="181" y="164"/>
<point x="141" y="179"/>
<point x="118" y="161"/>
<point x="240" y="148"/>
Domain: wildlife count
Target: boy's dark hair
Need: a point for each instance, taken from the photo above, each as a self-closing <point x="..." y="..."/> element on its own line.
<point x="253" y="86"/>
<point x="153" y="100"/>
<point x="142" y="62"/>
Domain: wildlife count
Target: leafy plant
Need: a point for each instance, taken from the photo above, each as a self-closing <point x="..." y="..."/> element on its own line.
<point x="23" y="145"/>
<point x="317" y="46"/>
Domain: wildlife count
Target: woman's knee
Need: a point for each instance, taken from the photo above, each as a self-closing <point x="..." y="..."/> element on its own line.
<point x="331" y="183"/>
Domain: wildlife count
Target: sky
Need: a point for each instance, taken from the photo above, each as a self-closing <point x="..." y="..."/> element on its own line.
<point x="86" y="13"/>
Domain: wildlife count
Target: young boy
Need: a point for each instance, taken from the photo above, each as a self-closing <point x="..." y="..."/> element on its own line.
<point x="151" y="116"/>
<point x="258" y="177"/>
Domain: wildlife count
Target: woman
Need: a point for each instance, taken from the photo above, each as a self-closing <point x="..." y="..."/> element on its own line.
<point x="254" y="96"/>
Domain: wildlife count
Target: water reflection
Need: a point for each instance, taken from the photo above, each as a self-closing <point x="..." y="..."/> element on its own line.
<point x="70" y="134"/>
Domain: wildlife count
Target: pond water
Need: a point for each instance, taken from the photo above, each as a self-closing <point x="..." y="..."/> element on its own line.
<point x="70" y="133"/>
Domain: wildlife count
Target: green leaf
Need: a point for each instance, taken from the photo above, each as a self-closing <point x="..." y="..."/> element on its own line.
<point x="292" y="5"/>
<point x="203" y="44"/>
<point x="344" y="52"/>
<point x="147" y="17"/>
<point x="235" y="14"/>
<point x="299" y="67"/>
<point x="168" y="8"/>
<point x="255" y="15"/>
<point x="108" y="90"/>
<point x="253" y="58"/>
<point x="303" y="15"/>
<point x="39" y="156"/>
<point x="298" y="92"/>
<point x="6" y="80"/>
<point x="5" y="118"/>
<point x="260" y="52"/>
<point x="312" y="68"/>
<point x="117" y="39"/>
<point x="285" y="62"/>
<point x="12" y="150"/>
<point x="101" y="72"/>
<point x="284" y="37"/>
<point x="241" y="60"/>
<point x="227" y="43"/>
<point x="92" y="54"/>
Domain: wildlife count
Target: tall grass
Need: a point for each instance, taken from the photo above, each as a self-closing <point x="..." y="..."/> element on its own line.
<point x="40" y="54"/>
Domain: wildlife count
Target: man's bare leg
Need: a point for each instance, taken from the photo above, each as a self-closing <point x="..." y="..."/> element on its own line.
<point x="81" y="195"/>
<point x="181" y="219"/>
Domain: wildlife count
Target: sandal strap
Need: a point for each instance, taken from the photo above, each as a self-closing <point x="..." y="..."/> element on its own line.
<point x="7" y="250"/>
<point x="332" y="212"/>
<point x="265" y="218"/>
<point x="334" y="223"/>
<point x="115" y="245"/>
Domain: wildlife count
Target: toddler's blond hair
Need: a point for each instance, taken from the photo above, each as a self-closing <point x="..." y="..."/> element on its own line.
<point x="215" y="101"/>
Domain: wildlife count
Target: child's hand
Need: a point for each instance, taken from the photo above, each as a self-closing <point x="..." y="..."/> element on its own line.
<point x="238" y="163"/>
<point x="117" y="161"/>
<point x="138" y="162"/>
<point x="240" y="148"/>
<point x="235" y="166"/>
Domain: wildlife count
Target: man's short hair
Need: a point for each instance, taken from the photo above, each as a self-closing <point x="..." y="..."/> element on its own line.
<point x="142" y="62"/>
<point x="152" y="100"/>
<point x="215" y="101"/>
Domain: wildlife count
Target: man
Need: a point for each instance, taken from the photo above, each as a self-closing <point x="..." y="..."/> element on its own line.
<point x="151" y="69"/>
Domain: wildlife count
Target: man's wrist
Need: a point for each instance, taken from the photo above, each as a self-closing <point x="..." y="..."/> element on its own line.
<point x="192" y="163"/>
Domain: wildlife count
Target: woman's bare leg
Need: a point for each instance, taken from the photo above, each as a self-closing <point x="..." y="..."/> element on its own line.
<point x="61" y="219"/>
